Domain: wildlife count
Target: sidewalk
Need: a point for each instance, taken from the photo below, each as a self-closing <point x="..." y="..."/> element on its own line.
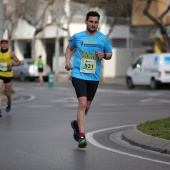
<point x="135" y="137"/>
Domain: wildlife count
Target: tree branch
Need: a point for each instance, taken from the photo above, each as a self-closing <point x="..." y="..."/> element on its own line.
<point x="163" y="14"/>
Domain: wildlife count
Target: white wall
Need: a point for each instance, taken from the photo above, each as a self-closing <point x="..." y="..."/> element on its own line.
<point x="76" y="27"/>
<point x="40" y="50"/>
<point x="23" y="30"/>
<point x="17" y="50"/>
<point x="121" y="60"/>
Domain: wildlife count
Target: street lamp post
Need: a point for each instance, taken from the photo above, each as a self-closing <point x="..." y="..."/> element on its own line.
<point x="56" y="66"/>
<point x="57" y="51"/>
<point x="3" y="22"/>
<point x="1" y="19"/>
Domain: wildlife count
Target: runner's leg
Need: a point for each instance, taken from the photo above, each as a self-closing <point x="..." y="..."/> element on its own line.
<point x="41" y="77"/>
<point x="8" y="95"/>
<point x="1" y="86"/>
<point x="88" y="106"/>
<point x="82" y="104"/>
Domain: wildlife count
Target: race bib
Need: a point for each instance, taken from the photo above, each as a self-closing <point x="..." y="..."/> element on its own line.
<point x="3" y="66"/>
<point x="88" y="66"/>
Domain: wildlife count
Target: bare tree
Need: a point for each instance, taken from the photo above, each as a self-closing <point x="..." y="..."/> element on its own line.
<point x="12" y="12"/>
<point x="159" y="22"/>
<point x="37" y="14"/>
<point x="42" y="13"/>
<point x="152" y="13"/>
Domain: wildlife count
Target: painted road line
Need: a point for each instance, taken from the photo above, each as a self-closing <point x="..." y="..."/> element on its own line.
<point x="89" y="137"/>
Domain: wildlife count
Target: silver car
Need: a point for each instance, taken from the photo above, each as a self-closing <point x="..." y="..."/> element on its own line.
<point x="27" y="70"/>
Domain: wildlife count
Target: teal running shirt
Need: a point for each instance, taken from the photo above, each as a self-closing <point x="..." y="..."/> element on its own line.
<point x="85" y="64"/>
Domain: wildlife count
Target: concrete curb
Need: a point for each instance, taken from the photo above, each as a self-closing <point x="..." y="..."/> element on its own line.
<point x="135" y="137"/>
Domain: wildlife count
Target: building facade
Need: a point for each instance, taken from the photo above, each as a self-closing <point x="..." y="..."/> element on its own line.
<point x="51" y="42"/>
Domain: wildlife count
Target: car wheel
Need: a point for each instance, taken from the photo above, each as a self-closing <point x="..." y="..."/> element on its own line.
<point x="22" y="77"/>
<point x="129" y="83"/>
<point x="153" y="84"/>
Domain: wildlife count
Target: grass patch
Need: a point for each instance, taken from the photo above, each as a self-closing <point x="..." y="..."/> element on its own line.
<point x="157" y="128"/>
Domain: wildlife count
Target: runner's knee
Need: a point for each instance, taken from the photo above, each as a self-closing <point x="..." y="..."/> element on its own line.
<point x="82" y="104"/>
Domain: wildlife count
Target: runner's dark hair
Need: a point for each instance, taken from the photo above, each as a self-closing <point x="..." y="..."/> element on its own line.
<point x="92" y="14"/>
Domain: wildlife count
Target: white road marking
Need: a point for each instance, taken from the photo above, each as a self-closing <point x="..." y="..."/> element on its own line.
<point x="146" y="100"/>
<point x="90" y="138"/>
<point x="113" y="104"/>
<point x="71" y="105"/>
<point x="164" y="101"/>
<point x="65" y="100"/>
<point x="42" y="106"/>
<point x="117" y="91"/>
<point x="155" y="100"/>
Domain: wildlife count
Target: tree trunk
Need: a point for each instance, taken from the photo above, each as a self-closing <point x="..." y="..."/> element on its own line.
<point x="159" y="24"/>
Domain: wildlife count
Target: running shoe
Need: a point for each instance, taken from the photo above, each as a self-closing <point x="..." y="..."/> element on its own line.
<point x="82" y="142"/>
<point x="76" y="131"/>
<point x="8" y="108"/>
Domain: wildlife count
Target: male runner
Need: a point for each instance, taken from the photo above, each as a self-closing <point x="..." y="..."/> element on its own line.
<point x="8" y="59"/>
<point x="91" y="47"/>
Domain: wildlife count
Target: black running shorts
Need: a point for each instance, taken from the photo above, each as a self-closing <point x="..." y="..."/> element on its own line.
<point x="40" y="69"/>
<point x="85" y="88"/>
<point x="6" y="79"/>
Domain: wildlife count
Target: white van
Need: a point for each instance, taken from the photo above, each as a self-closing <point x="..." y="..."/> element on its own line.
<point x="149" y="69"/>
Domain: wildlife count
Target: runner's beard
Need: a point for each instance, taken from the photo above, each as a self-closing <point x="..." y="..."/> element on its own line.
<point x="4" y="50"/>
<point x="91" y="31"/>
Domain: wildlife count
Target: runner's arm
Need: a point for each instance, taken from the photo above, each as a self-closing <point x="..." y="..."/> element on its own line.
<point x="108" y="56"/>
<point x="16" y="60"/>
<point x="68" y="55"/>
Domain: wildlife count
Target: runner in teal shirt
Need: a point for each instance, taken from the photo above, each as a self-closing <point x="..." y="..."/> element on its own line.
<point x="86" y="65"/>
<point x="91" y="47"/>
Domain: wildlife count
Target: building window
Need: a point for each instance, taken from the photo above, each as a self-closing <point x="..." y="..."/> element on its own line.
<point x="27" y="50"/>
<point x="61" y="46"/>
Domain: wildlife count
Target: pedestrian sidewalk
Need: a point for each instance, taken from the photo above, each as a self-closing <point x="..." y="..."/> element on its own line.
<point x="143" y="140"/>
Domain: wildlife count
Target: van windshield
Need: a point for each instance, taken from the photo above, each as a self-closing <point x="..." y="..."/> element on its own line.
<point x="137" y="64"/>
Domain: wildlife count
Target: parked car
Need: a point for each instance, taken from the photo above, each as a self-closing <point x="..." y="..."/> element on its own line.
<point x="27" y="70"/>
<point x="149" y="69"/>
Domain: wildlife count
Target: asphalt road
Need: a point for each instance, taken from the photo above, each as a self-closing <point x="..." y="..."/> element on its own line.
<point x="36" y="134"/>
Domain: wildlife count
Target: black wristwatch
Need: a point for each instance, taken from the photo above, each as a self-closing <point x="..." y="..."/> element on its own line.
<point x="104" y="56"/>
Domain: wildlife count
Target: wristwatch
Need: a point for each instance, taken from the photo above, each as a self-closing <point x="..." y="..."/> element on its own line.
<point x="104" y="56"/>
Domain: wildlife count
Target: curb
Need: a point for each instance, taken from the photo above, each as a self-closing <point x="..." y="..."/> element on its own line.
<point x="137" y="138"/>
